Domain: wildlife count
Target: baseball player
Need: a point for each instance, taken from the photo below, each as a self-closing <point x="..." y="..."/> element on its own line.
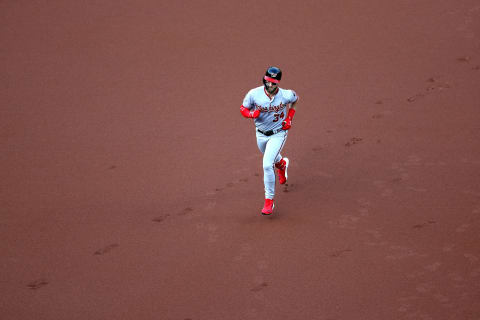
<point x="267" y="105"/>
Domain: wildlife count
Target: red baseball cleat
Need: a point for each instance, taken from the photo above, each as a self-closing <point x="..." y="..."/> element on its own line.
<point x="282" y="167"/>
<point x="268" y="207"/>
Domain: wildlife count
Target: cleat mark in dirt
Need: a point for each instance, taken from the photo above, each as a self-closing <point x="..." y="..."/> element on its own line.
<point x="415" y="97"/>
<point x="338" y="253"/>
<point x="259" y="287"/>
<point x="286" y="187"/>
<point x="161" y="218"/>
<point x="435" y="86"/>
<point x="37" y="284"/>
<point x="464" y="59"/>
<point x="423" y="225"/>
<point x="353" y="141"/>
<point x="106" y="249"/>
<point x="185" y="211"/>
<point x="228" y="185"/>
<point x="438" y="87"/>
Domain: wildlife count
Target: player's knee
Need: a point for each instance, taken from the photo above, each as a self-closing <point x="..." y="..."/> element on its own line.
<point x="267" y="166"/>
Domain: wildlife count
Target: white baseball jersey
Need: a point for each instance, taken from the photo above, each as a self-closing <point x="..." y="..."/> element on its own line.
<point x="272" y="111"/>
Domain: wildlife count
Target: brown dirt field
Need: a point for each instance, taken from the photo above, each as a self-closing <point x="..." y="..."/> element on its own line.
<point x="131" y="186"/>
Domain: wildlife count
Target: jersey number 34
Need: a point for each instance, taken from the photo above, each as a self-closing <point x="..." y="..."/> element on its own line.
<point x="277" y="117"/>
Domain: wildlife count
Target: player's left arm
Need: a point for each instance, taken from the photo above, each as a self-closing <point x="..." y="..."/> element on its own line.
<point x="287" y="123"/>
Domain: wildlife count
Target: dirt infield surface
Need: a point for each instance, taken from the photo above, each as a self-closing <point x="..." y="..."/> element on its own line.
<point x="132" y="187"/>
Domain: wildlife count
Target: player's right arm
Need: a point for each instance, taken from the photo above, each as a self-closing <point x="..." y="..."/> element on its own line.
<point x="246" y="107"/>
<point x="249" y="113"/>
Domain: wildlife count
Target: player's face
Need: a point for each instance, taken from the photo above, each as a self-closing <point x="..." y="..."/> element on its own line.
<point x="271" y="87"/>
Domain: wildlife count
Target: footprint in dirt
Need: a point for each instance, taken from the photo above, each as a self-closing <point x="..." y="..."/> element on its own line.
<point x="287" y="187"/>
<point x="423" y="225"/>
<point x="161" y="218"/>
<point x="228" y="185"/>
<point x="435" y="85"/>
<point x="338" y="253"/>
<point x="259" y="287"/>
<point x="37" y="284"/>
<point x="415" y="97"/>
<point x="185" y="211"/>
<point x="106" y="249"/>
<point x="353" y="141"/>
<point x="464" y="59"/>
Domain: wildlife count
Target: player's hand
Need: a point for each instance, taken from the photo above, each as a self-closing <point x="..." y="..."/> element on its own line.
<point x="249" y="113"/>
<point x="287" y="123"/>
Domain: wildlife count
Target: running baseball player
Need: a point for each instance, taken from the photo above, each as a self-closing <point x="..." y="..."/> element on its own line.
<point x="267" y="105"/>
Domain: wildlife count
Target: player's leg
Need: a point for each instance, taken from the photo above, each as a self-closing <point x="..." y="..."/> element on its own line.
<point x="261" y="142"/>
<point x="272" y="152"/>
